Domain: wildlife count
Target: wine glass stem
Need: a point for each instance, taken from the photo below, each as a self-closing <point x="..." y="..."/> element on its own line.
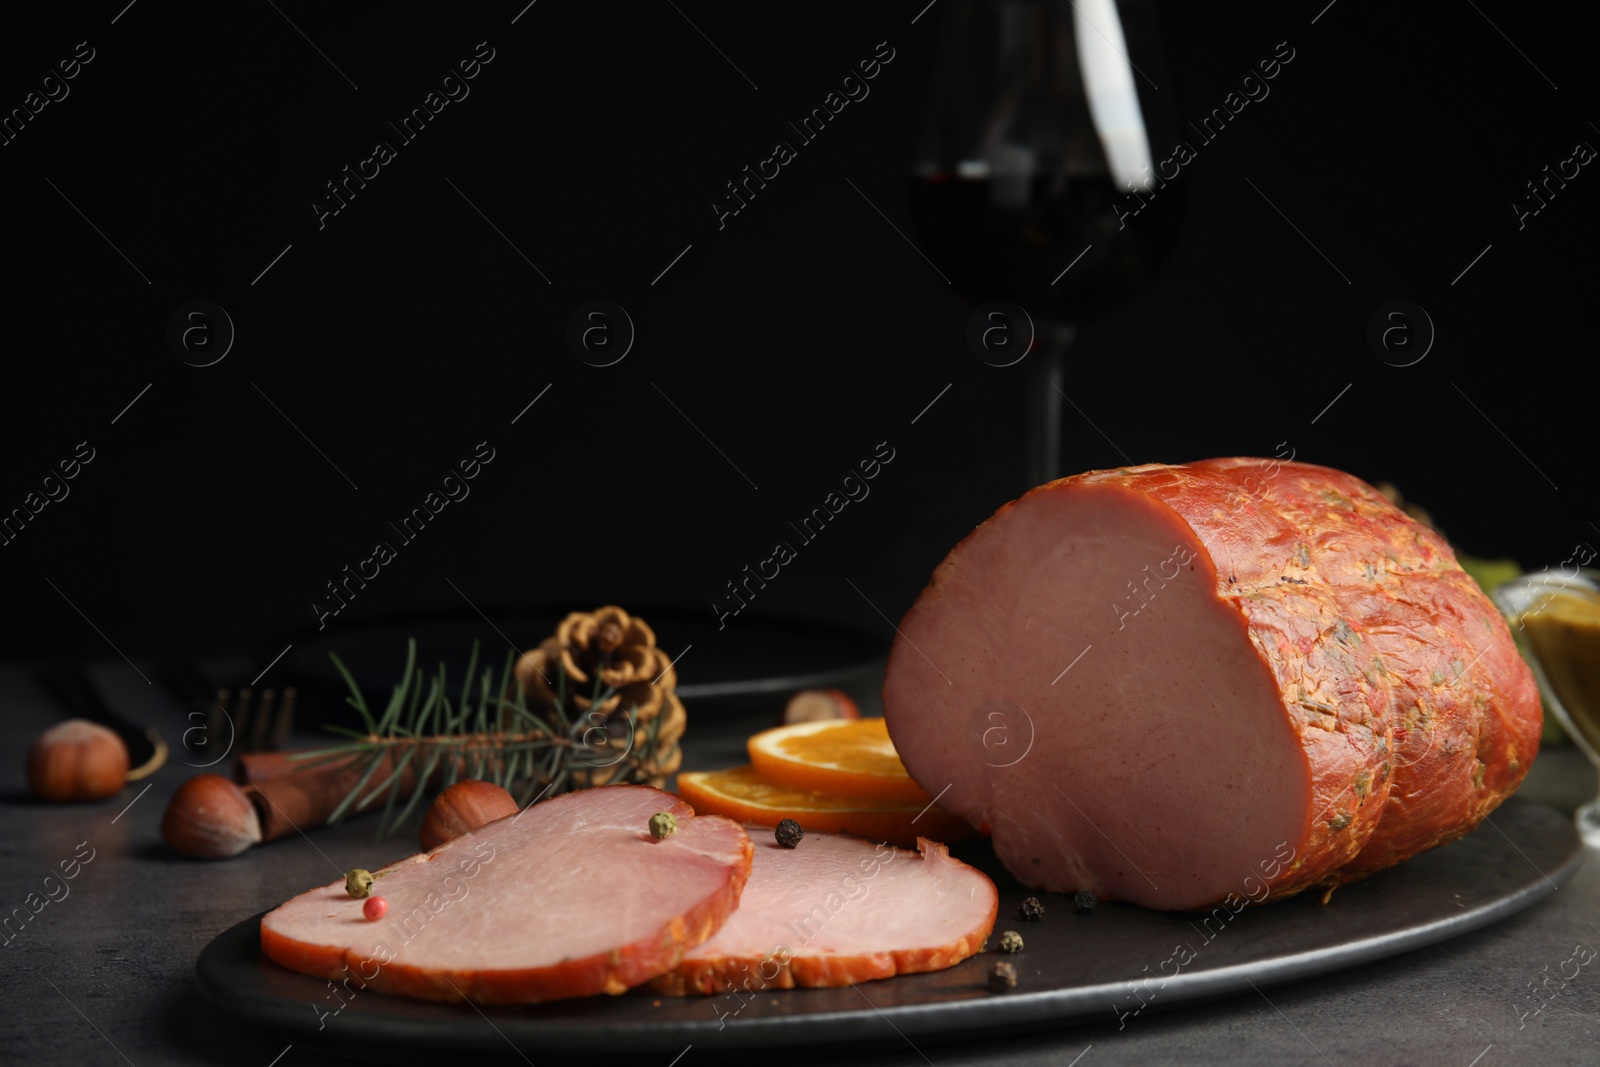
<point x="1046" y="391"/>
<point x="1588" y="820"/>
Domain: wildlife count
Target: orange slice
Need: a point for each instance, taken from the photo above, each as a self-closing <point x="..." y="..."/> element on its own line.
<point x="848" y="758"/>
<point x="745" y="796"/>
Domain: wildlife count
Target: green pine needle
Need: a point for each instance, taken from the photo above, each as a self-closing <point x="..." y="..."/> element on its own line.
<point x="486" y="732"/>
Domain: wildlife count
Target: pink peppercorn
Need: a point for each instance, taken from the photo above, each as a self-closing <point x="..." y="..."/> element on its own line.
<point x="375" y="908"/>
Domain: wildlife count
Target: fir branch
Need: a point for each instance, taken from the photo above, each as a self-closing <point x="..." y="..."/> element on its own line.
<point x="425" y="739"/>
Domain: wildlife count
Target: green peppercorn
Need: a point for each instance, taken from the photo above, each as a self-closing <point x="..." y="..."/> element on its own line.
<point x="788" y="833"/>
<point x="358" y="883"/>
<point x="1002" y="978"/>
<point x="663" y="825"/>
<point x="1010" y="941"/>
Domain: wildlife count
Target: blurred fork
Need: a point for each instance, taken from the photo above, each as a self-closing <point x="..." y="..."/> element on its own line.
<point x="260" y="728"/>
<point x="251" y="726"/>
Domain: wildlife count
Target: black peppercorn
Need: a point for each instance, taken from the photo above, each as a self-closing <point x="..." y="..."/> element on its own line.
<point x="1002" y="978"/>
<point x="1031" y="910"/>
<point x="1084" y="901"/>
<point x="789" y="833"/>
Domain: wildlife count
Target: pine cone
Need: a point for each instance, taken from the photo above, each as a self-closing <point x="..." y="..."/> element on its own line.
<point x="654" y="745"/>
<point x="642" y="717"/>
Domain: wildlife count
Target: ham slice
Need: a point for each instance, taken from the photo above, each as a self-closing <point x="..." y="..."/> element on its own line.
<point x="569" y="897"/>
<point x="1174" y="685"/>
<point x="836" y="910"/>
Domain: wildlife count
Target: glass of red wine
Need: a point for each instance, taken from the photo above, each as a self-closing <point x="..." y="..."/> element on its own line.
<point x="1035" y="178"/>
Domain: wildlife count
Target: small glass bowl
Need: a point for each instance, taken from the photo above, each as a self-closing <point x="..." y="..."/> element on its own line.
<point x="1522" y="598"/>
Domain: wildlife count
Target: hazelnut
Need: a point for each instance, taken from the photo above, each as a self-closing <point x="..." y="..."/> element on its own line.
<point x="819" y="705"/>
<point x="210" y="817"/>
<point x="466" y="806"/>
<point x="77" y="760"/>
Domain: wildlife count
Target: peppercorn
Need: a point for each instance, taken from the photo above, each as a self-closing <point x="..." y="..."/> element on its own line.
<point x="358" y="883"/>
<point x="1002" y="978"/>
<point x="1010" y="941"/>
<point x="663" y="825"/>
<point x="788" y="833"/>
<point x="1084" y="901"/>
<point x="375" y="908"/>
<point x="1030" y="910"/>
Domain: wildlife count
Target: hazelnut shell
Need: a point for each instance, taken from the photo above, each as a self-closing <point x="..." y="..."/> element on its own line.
<point x="464" y="807"/>
<point x="210" y="817"/>
<point x="77" y="760"/>
<point x="820" y="705"/>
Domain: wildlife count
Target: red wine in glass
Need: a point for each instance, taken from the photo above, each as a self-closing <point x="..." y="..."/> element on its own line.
<point x="1035" y="178"/>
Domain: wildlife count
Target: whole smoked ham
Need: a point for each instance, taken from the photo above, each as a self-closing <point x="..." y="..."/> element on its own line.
<point x="569" y="897"/>
<point x="835" y="910"/>
<point x="1242" y="678"/>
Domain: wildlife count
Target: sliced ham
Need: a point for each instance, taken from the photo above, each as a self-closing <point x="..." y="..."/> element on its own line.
<point x="569" y="897"/>
<point x="836" y="910"/>
<point x="1238" y="678"/>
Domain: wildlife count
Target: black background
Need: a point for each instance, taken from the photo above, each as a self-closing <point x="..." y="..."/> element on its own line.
<point x="797" y="338"/>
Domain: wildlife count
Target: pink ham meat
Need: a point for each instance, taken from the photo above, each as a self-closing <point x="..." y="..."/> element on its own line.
<point x="569" y="897"/>
<point x="1239" y="678"/>
<point x="836" y="910"/>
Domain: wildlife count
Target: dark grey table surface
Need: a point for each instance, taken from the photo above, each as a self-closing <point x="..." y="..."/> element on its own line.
<point x="105" y="974"/>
